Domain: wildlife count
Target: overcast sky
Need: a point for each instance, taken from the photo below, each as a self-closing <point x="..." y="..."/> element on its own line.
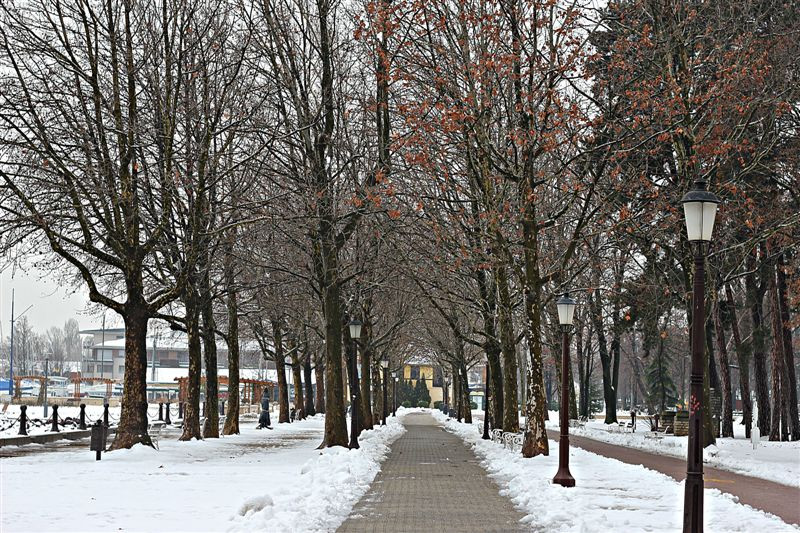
<point x="52" y="305"/>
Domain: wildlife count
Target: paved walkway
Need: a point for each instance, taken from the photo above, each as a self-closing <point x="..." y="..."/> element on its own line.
<point x="432" y="482"/>
<point x="780" y="500"/>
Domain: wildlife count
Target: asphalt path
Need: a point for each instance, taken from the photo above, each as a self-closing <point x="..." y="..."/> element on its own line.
<point x="781" y="500"/>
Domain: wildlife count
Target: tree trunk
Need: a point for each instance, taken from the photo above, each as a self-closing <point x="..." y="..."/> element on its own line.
<point x="280" y="366"/>
<point x="743" y="360"/>
<point x="755" y="296"/>
<point x="777" y="359"/>
<point x="353" y="382"/>
<point x="788" y="352"/>
<point x="299" y="410"/>
<point x="232" y="410"/>
<point x="211" y="426"/>
<point x="609" y="392"/>
<point x="722" y="349"/>
<point x="319" y="374"/>
<point x="535" y="441"/>
<point x="191" y="411"/>
<point x="465" y="391"/>
<point x="309" y="406"/>
<point x="132" y="427"/>
<point x="508" y="345"/>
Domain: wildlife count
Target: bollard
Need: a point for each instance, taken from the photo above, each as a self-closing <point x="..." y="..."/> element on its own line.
<point x="167" y="420"/>
<point x="82" y="419"/>
<point x="180" y="409"/>
<point x="98" y="440"/>
<point x="55" y="419"/>
<point x="161" y="411"/>
<point x="23" y="420"/>
<point x="105" y="415"/>
<point x="222" y="408"/>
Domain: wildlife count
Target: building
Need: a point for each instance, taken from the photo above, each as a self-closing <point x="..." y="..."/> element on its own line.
<point x="417" y="369"/>
<point x="104" y="354"/>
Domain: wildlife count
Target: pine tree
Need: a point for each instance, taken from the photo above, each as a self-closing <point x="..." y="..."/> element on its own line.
<point x="660" y="386"/>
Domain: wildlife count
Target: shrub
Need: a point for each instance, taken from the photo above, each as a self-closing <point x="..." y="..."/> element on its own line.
<point x="473" y="405"/>
<point x="406" y="404"/>
<point x="423" y="403"/>
<point x="437" y="404"/>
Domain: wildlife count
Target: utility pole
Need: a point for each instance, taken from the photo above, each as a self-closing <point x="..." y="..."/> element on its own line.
<point x="11" y="362"/>
<point x="46" y="379"/>
<point x="11" y="365"/>
<point x="103" y="347"/>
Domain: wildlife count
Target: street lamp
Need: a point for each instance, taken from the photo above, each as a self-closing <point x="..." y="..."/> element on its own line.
<point x="385" y="366"/>
<point x="700" y="210"/>
<point x="46" y="379"/>
<point x="566" y="313"/>
<point x="394" y="404"/>
<point x="355" y="334"/>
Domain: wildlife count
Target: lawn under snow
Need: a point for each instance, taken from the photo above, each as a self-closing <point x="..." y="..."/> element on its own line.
<point x="774" y="461"/>
<point x="260" y="480"/>
<point x="609" y="495"/>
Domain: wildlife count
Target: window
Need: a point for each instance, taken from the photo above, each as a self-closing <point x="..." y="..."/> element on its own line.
<point x="121" y="369"/>
<point x="414" y="372"/>
<point x="437" y="377"/>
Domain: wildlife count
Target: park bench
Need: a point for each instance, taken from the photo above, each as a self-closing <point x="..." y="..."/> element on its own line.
<point x="497" y="435"/>
<point x="513" y="440"/>
<point x="580" y="424"/>
<point x="154" y="430"/>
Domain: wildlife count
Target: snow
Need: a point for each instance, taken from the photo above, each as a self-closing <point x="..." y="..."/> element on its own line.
<point x="324" y="493"/>
<point x="270" y="480"/>
<point x="609" y="495"/>
<point x="774" y="461"/>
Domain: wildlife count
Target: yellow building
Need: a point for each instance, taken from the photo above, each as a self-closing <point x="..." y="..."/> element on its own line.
<point x="414" y="370"/>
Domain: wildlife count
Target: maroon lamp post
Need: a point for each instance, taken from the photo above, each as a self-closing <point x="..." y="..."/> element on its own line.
<point x="700" y="209"/>
<point x="566" y="313"/>
<point x="355" y="334"/>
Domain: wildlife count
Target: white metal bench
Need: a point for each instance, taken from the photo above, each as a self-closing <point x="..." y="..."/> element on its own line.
<point x="154" y="431"/>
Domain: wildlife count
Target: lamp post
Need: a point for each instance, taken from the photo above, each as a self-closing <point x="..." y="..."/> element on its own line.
<point x="355" y="334"/>
<point x="566" y="313"/>
<point x="700" y="210"/>
<point x="385" y="366"/>
<point x="46" y="379"/>
<point x="394" y="403"/>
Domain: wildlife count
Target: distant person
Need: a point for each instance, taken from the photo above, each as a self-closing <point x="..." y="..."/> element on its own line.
<point x="633" y="419"/>
<point x="263" y="419"/>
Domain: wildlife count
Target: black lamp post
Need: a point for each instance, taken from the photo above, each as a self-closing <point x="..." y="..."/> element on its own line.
<point x="355" y="334"/>
<point x="566" y="313"/>
<point x="485" y="435"/>
<point x="385" y="366"/>
<point x="394" y="404"/>
<point x="700" y="210"/>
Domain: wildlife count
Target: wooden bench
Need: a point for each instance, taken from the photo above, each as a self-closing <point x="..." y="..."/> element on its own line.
<point x="580" y="424"/>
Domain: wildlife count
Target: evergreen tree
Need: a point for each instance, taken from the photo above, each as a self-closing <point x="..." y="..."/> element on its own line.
<point x="660" y="386"/>
<point x="421" y="392"/>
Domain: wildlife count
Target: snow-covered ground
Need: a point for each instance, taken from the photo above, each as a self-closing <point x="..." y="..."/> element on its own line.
<point x="260" y="480"/>
<point x="609" y="495"/>
<point x="775" y="461"/>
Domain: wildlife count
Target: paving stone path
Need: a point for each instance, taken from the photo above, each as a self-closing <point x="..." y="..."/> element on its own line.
<point x="432" y="482"/>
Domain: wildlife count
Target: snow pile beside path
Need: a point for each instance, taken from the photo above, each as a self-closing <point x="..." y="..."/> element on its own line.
<point x="774" y="461"/>
<point x="609" y="495"/>
<point x="328" y="486"/>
